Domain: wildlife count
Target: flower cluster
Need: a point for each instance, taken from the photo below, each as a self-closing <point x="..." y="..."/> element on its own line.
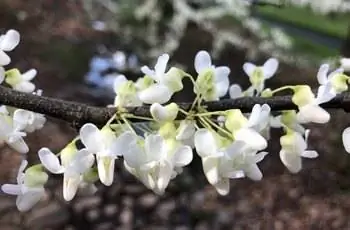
<point x="230" y="143"/>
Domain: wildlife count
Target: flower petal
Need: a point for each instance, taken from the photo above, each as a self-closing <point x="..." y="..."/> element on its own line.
<point x="252" y="138"/>
<point x="20" y="174"/>
<point x="211" y="170"/>
<point x="91" y="137"/>
<point x="4" y="58"/>
<point x="202" y="61"/>
<point x="312" y="113"/>
<point x="235" y="91"/>
<point x="147" y="71"/>
<point x="70" y="186"/>
<point x="254" y="115"/>
<point x="123" y="142"/>
<point x="249" y="68"/>
<point x="156" y="93"/>
<point x="164" y="176"/>
<point x="12" y="189"/>
<point x="221" y="88"/>
<point x="161" y="65"/>
<point x="205" y="143"/>
<point x="2" y="74"/>
<point x="10" y="40"/>
<point x="29" y="75"/>
<point x="105" y="166"/>
<point x="50" y="161"/>
<point x="253" y="172"/>
<point x="270" y="67"/>
<point x="27" y="200"/>
<point x="291" y="161"/>
<point x="19" y="145"/>
<point x="221" y="74"/>
<point x="155" y="147"/>
<point x="25" y="87"/>
<point x="346" y="139"/>
<point x="309" y="154"/>
<point x="322" y="74"/>
<point x="182" y="156"/>
<point x="223" y="186"/>
<point x="120" y="79"/>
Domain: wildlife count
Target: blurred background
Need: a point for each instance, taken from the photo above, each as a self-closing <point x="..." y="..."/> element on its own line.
<point x="78" y="46"/>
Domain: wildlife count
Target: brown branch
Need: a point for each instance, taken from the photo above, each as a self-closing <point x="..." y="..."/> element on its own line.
<point x="79" y="114"/>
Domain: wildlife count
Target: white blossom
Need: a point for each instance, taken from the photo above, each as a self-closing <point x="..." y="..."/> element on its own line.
<point x="21" y="82"/>
<point x="8" y="42"/>
<point x="258" y="74"/>
<point x="212" y="82"/>
<point x="29" y="188"/>
<point x="293" y="148"/>
<point x="73" y="164"/>
<point x="154" y="160"/>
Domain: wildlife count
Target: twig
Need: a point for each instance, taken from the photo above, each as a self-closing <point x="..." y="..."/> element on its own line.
<point x="78" y="114"/>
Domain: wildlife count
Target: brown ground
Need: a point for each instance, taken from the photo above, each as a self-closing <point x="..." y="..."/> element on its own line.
<point x="56" y="42"/>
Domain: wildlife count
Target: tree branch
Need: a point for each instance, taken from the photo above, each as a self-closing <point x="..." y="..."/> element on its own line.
<point x="78" y="114"/>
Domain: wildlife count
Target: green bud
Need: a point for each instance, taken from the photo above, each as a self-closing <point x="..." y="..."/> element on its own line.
<point x="13" y="77"/>
<point x="267" y="93"/>
<point x="302" y="95"/>
<point x="35" y="176"/>
<point x="235" y="120"/>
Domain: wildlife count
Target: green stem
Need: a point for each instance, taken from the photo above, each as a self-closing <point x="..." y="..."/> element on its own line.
<point x="282" y="88"/>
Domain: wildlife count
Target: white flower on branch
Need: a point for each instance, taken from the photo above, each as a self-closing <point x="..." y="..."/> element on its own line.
<point x="29" y="188"/>
<point x="212" y="82"/>
<point x="106" y="146"/>
<point x="222" y="161"/>
<point x="331" y="84"/>
<point x="28" y="120"/>
<point x="258" y="74"/>
<point x="74" y="163"/>
<point x="8" y="42"/>
<point x="21" y="82"/>
<point x="126" y="93"/>
<point x="155" y="160"/>
<point x="166" y="83"/>
<point x="11" y="134"/>
<point x="293" y="148"/>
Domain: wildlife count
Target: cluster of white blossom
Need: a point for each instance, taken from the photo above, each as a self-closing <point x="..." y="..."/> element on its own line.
<point x="229" y="142"/>
<point x="163" y="31"/>
<point x="323" y="6"/>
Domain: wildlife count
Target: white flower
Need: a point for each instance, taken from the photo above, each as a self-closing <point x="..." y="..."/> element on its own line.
<point x="73" y="164"/>
<point x="29" y="188"/>
<point x="293" y="148"/>
<point x="154" y="160"/>
<point x="164" y="113"/>
<point x="166" y="83"/>
<point x="126" y="93"/>
<point x="287" y="119"/>
<point x="222" y="162"/>
<point x="345" y="63"/>
<point x="212" y="82"/>
<point x="331" y="84"/>
<point x="28" y="120"/>
<point x="235" y="91"/>
<point x="106" y="146"/>
<point x="308" y="105"/>
<point x="258" y="74"/>
<point x="11" y="134"/>
<point x="8" y="42"/>
<point x="248" y="130"/>
<point x="21" y="82"/>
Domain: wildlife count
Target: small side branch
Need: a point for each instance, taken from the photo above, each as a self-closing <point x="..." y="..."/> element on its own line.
<point x="78" y="114"/>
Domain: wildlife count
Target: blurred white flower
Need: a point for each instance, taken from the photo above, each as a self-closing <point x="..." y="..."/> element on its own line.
<point x="8" y="42"/>
<point x="345" y="64"/>
<point x="29" y="188"/>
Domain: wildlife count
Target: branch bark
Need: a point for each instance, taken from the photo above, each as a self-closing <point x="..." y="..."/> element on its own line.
<point x="78" y="114"/>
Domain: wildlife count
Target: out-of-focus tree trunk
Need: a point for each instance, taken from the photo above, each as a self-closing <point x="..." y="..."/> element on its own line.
<point x="345" y="50"/>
